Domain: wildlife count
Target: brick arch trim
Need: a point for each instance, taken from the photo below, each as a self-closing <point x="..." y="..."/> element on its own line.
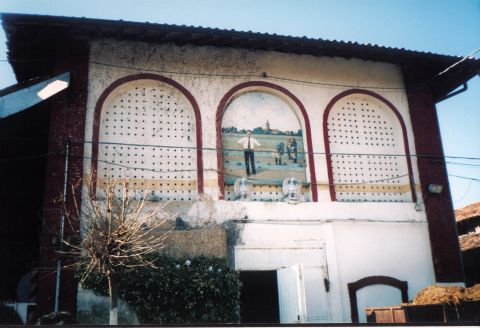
<point x="219" y="116"/>
<point x="327" y="145"/>
<point x="373" y="280"/>
<point x="155" y="77"/>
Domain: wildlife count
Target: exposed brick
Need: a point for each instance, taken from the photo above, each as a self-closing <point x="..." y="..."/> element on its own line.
<point x="439" y="208"/>
<point x="67" y="125"/>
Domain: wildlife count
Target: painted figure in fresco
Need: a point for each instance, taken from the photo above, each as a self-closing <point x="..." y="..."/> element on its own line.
<point x="287" y="143"/>
<point x="248" y="143"/>
<point x="293" y="149"/>
<point x="277" y="154"/>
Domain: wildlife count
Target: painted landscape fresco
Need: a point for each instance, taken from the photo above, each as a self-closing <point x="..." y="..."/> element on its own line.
<point x="275" y="127"/>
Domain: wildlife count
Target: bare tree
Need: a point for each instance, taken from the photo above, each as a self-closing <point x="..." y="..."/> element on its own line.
<point x="118" y="232"/>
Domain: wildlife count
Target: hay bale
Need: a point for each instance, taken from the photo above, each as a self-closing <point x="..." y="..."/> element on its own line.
<point x="446" y="295"/>
<point x="440" y="295"/>
<point x="473" y="293"/>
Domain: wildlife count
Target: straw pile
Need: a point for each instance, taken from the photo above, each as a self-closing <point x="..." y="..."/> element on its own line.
<point x="446" y="294"/>
<point x="473" y="293"/>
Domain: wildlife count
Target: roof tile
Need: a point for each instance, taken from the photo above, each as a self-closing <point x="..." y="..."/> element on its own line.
<point x="467" y="212"/>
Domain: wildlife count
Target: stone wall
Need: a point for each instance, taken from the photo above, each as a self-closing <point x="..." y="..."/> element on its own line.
<point x="195" y="242"/>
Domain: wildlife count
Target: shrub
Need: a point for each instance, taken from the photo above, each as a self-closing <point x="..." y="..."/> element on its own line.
<point x="186" y="291"/>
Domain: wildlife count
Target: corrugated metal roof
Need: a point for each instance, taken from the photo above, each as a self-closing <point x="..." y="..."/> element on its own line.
<point x="34" y="37"/>
<point x="222" y="37"/>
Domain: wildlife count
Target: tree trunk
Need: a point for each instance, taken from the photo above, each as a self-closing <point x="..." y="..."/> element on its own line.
<point x="113" y="294"/>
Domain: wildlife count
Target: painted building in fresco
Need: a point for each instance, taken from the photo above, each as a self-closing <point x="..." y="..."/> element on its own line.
<point x="186" y="112"/>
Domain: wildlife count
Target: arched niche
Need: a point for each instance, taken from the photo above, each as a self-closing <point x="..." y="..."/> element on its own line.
<point x="267" y="184"/>
<point x="147" y="129"/>
<point x="367" y="152"/>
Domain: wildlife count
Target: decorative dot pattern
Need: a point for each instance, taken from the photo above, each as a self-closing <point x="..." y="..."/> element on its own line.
<point x="147" y="136"/>
<point x="363" y="125"/>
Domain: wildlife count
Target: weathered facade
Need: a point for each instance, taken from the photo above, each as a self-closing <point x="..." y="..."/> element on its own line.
<point x="147" y="103"/>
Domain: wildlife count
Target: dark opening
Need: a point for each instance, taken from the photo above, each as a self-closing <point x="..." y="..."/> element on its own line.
<point x="259" y="297"/>
<point x="23" y="158"/>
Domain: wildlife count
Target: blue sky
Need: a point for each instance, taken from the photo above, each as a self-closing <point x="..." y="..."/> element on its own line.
<point x="447" y="27"/>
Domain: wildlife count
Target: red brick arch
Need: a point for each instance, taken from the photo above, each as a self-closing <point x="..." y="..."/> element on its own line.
<point x="228" y="97"/>
<point x="155" y="77"/>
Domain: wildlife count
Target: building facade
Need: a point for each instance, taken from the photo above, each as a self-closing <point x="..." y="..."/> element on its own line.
<point x="166" y="108"/>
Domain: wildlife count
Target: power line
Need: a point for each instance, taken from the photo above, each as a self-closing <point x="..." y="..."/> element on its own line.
<point x="465" y="164"/>
<point x="4" y="160"/>
<point x="269" y="151"/>
<point x="229" y="174"/>
<point x="263" y="75"/>
<point x="22" y="140"/>
<point x="462" y="177"/>
<point x="421" y="85"/>
<point x="465" y="194"/>
<point x="457" y="63"/>
<point x="214" y="170"/>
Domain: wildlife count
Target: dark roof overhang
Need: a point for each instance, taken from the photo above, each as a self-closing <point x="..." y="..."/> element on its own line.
<point x="33" y="38"/>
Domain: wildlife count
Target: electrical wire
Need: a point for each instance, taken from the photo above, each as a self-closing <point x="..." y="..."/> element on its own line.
<point x="261" y="75"/>
<point x="466" y="192"/>
<point x="221" y="172"/>
<point x="256" y="76"/>
<point x="229" y="174"/>
<point x="462" y="177"/>
<point x="259" y="151"/>
<point x="465" y="164"/>
<point x="457" y="63"/>
<point x="266" y="151"/>
<point x="269" y="151"/>
<point x="4" y="160"/>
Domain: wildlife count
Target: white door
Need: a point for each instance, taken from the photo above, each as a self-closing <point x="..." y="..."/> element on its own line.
<point x="291" y="294"/>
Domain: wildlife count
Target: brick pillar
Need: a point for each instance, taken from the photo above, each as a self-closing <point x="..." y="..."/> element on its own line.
<point x="439" y="208"/>
<point x="67" y="125"/>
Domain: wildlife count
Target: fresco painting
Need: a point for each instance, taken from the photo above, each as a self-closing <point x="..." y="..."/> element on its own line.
<point x="262" y="140"/>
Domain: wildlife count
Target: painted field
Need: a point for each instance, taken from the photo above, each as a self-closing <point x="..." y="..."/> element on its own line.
<point x="268" y="171"/>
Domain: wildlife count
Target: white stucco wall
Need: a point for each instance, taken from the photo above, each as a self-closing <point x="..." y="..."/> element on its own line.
<point x="355" y="239"/>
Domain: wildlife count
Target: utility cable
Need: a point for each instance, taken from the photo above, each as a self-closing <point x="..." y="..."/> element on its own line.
<point x="462" y="177"/>
<point x="465" y="194"/>
<point x="262" y="75"/>
<point x="456" y="163"/>
<point x="269" y="151"/>
<point x="227" y="173"/>
<point x="4" y="160"/>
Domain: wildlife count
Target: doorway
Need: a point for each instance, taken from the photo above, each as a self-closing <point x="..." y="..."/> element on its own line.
<point x="259" y="297"/>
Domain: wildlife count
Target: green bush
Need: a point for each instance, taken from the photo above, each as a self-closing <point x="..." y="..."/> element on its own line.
<point x="197" y="290"/>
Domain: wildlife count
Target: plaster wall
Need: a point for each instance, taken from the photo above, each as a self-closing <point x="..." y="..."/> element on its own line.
<point x="339" y="240"/>
<point x="342" y="252"/>
<point x="209" y="73"/>
<point x="398" y="250"/>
